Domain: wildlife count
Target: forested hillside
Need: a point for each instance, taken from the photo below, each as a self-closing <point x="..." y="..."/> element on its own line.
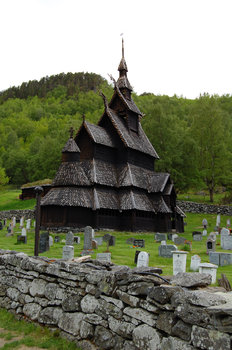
<point x="192" y="137"/>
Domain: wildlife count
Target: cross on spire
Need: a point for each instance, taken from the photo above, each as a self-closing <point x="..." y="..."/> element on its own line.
<point x="71" y="131"/>
<point x="83" y="117"/>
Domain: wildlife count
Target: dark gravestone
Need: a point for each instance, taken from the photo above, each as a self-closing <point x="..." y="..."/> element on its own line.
<point x="1" y="225"/>
<point x="17" y="221"/>
<point x="21" y="239"/>
<point x="136" y="256"/>
<point x="57" y="239"/>
<point x="139" y="243"/>
<point x="76" y="239"/>
<point x="44" y="242"/>
<point x="112" y="241"/>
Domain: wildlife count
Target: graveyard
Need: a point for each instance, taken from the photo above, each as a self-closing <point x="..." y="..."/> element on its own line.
<point x="125" y="244"/>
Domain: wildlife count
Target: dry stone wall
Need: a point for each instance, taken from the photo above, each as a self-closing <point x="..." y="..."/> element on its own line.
<point x="104" y="306"/>
<point x="198" y="208"/>
<point x="9" y="214"/>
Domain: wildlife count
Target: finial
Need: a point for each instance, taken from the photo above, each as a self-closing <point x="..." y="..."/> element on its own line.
<point x="104" y="99"/>
<point x="71" y="131"/>
<point x="122" y="47"/>
<point x="83" y="117"/>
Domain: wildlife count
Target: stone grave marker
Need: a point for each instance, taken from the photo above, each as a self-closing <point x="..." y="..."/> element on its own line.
<point x="90" y="230"/>
<point x="69" y="238"/>
<point x="195" y="261"/>
<point x="77" y="239"/>
<point x="214" y="258"/>
<point x="1" y="225"/>
<point x="68" y="252"/>
<point x="112" y="241"/>
<point x="104" y="257"/>
<point x="10" y="230"/>
<point x="205" y="223"/>
<point x="4" y="222"/>
<point x="210" y="245"/>
<point x="218" y="221"/>
<point x="136" y="256"/>
<point x="143" y="259"/>
<point x="197" y="236"/>
<point x="14" y="221"/>
<point x="166" y="251"/>
<point x="220" y="258"/>
<point x="179" y="261"/>
<point x="51" y="241"/>
<point x="160" y="237"/>
<point x="163" y="243"/>
<point x="209" y="269"/>
<point x="44" y="242"/>
<point x="57" y="239"/>
<point x="174" y="236"/>
<point x="28" y="225"/>
<point x="204" y="233"/>
<point x="24" y="232"/>
<point x="226" y="239"/>
<point x="88" y="248"/>
<point x="179" y="240"/>
<point x="228" y="224"/>
<point x="170" y="234"/>
<point x="213" y="235"/>
<point x="99" y="240"/>
<point x="140" y="243"/>
<point x="94" y="244"/>
<point x="21" y="239"/>
<point x="21" y="222"/>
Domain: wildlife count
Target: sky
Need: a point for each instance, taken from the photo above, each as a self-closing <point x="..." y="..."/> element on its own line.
<point x="181" y="47"/>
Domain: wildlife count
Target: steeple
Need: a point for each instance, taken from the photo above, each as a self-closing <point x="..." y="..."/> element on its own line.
<point x="123" y="81"/>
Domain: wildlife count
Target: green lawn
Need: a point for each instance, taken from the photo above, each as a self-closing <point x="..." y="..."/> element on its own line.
<point x="9" y="199"/>
<point x="122" y="253"/>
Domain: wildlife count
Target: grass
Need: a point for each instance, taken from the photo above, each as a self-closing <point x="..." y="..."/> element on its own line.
<point x="203" y="197"/>
<point x="9" y="199"/>
<point x="30" y="335"/>
<point x="122" y="253"/>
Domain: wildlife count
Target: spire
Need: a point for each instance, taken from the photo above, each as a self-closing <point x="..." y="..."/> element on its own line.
<point x="123" y="82"/>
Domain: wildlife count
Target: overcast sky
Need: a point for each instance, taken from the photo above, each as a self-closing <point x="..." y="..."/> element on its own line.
<point x="181" y="47"/>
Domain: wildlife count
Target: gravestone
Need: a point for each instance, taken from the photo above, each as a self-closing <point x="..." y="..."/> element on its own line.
<point x="197" y="236"/>
<point x="136" y="256"/>
<point x="209" y="269"/>
<point x="143" y="259"/>
<point x="210" y="245"/>
<point x="218" y="221"/>
<point x="179" y="261"/>
<point x="163" y="243"/>
<point x="44" y="242"/>
<point x="90" y="230"/>
<point x="195" y="261"/>
<point x="88" y="249"/>
<point x="21" y="222"/>
<point x="1" y="225"/>
<point x="14" y="221"/>
<point x="166" y="251"/>
<point x="24" y="232"/>
<point x="214" y="258"/>
<point x="28" y="225"/>
<point x="4" y="222"/>
<point x="9" y="230"/>
<point x="112" y="241"/>
<point x="213" y="235"/>
<point x="140" y="243"/>
<point x="130" y="240"/>
<point x="226" y="239"/>
<point x="57" y="239"/>
<point x="160" y="237"/>
<point x="69" y="238"/>
<point x="94" y="244"/>
<point x="99" y="240"/>
<point x="220" y="258"/>
<point x="68" y="252"/>
<point x="204" y="233"/>
<point x="228" y="224"/>
<point x="21" y="239"/>
<point x="170" y="234"/>
<point x="174" y="236"/>
<point x="77" y="239"/>
<point x="179" y="240"/>
<point x="51" y="241"/>
<point x="205" y="223"/>
<point x="104" y="257"/>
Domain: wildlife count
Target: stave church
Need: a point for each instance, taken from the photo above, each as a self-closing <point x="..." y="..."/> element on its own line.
<point x="106" y="178"/>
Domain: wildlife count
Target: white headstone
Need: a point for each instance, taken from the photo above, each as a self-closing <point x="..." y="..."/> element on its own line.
<point x="21" y="222"/>
<point x="68" y="252"/>
<point x="195" y="261"/>
<point x="228" y="223"/>
<point x="14" y="221"/>
<point x="174" y="236"/>
<point x="204" y="233"/>
<point x="179" y="261"/>
<point x="143" y="259"/>
<point x="224" y="237"/>
<point x="163" y="242"/>
<point x="24" y="232"/>
<point x="218" y="221"/>
<point x="104" y="257"/>
<point x="28" y="226"/>
<point x="51" y="241"/>
<point x="204" y="222"/>
<point x="69" y="238"/>
<point x="209" y="269"/>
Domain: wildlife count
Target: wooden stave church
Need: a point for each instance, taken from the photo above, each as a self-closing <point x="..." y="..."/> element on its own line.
<point x="107" y="178"/>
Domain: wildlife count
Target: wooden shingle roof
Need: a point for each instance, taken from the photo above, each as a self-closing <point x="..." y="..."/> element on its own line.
<point x="99" y="134"/>
<point x="71" y="146"/>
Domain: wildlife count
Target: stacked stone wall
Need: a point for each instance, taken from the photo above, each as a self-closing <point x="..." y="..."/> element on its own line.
<point x="199" y="208"/>
<point x="9" y="214"/>
<point x="104" y="306"/>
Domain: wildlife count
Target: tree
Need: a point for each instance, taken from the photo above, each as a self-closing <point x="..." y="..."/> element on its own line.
<point x="3" y="178"/>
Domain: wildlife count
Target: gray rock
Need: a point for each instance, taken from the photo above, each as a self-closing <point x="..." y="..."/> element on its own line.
<point x="140" y="314"/>
<point x="105" y="308"/>
<point x="13" y="293"/>
<point x="50" y="315"/>
<point x="86" y="345"/>
<point x="203" y="298"/>
<point x="71" y="322"/>
<point x="124" y="329"/>
<point x="89" y="303"/>
<point x="95" y="319"/>
<point x="146" y="338"/>
<point x="172" y="343"/>
<point x="193" y="314"/>
<point x="148" y="306"/>
<point x="166" y="321"/>
<point x="114" y="301"/>
<point x="71" y="302"/>
<point x="191" y="279"/>
<point x="32" y="311"/>
<point x="127" y="298"/>
<point x="86" y="330"/>
<point x="25" y="299"/>
<point x="182" y="330"/>
<point x="38" y="287"/>
<point x="53" y="292"/>
<point x="139" y="288"/>
<point x="104" y="338"/>
<point x="210" y="339"/>
<point x="163" y="293"/>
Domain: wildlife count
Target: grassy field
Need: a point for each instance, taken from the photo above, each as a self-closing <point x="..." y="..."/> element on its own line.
<point x="122" y="253"/>
<point x="24" y="335"/>
<point x="9" y="199"/>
